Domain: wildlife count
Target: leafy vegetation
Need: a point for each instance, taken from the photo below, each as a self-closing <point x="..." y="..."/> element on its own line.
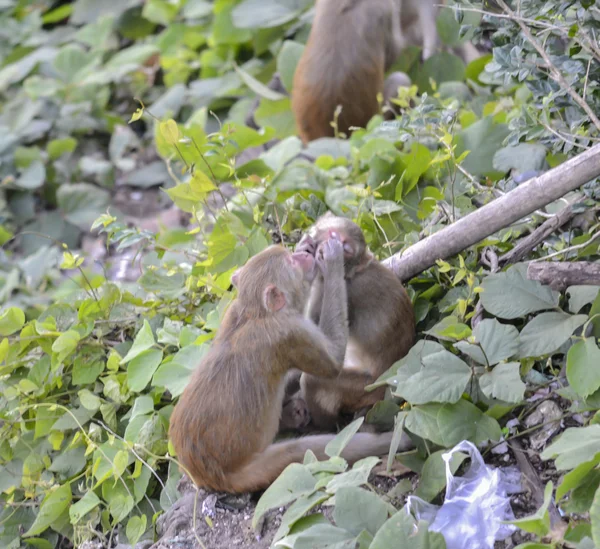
<point x="90" y="367"/>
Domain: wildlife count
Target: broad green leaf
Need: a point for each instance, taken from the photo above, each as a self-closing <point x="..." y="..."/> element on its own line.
<point x="512" y="295"/>
<point x="54" y="505"/>
<point x="258" y="87"/>
<point x="297" y="510"/>
<point x="547" y="332"/>
<point x="57" y="147"/>
<point x="264" y="14"/>
<point x="170" y="132"/>
<point x="574" y="446"/>
<point x="539" y="522"/>
<point x="497" y="342"/>
<point x="81" y="508"/>
<point x="443" y="378"/>
<point x="82" y="203"/>
<point x="89" y="400"/>
<point x="276" y="115"/>
<point x="464" y="421"/>
<point x="580" y="296"/>
<point x="504" y="383"/>
<point x="287" y="60"/>
<point x="583" y="367"/>
<point x="11" y="321"/>
<point x="33" y="177"/>
<point x="400" y="531"/>
<point x="143" y="341"/>
<point x="320" y="536"/>
<point x="294" y="482"/>
<point x="141" y="369"/>
<point x="357" y="476"/>
<point x="522" y="157"/>
<point x="440" y="67"/>
<point x="482" y="139"/>
<point x="65" y="344"/>
<point x="433" y="475"/>
<point x="574" y="478"/>
<point x="357" y="510"/>
<point x="136" y="526"/>
<point x="337" y="445"/>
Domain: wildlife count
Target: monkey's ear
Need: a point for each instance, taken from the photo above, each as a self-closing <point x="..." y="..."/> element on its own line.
<point x="235" y="277"/>
<point x="273" y="298"/>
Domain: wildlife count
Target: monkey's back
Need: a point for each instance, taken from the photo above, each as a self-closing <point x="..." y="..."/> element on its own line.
<point x="342" y="64"/>
<point x="222" y="418"/>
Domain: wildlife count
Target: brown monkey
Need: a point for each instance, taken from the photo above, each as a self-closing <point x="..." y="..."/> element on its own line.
<point x="381" y="322"/>
<point x="351" y="45"/>
<point x="225" y="422"/>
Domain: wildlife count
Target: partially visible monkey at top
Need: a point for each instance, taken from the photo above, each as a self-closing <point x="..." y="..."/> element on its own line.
<point x="225" y="422"/>
<point x="380" y="319"/>
<point x="351" y="45"/>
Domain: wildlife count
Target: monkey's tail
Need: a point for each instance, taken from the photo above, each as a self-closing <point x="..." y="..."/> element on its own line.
<point x="265" y="467"/>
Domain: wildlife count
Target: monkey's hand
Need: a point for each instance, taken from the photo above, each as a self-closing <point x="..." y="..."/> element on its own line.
<point x="330" y="258"/>
<point x="307" y="244"/>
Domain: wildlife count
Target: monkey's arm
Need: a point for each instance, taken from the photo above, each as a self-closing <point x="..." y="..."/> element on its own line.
<point x="311" y="351"/>
<point x="315" y="301"/>
<point x="333" y="320"/>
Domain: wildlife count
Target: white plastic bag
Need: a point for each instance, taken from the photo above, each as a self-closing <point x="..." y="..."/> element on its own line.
<point x="474" y="506"/>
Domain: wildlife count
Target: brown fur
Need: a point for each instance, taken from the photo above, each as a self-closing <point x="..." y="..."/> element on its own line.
<point x="227" y="417"/>
<point x="381" y="325"/>
<point x="351" y="45"/>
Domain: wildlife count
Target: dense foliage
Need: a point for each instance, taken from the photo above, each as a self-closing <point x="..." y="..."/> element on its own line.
<point x="90" y="367"/>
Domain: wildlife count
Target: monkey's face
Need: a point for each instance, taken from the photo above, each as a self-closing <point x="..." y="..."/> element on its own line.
<point x="277" y="270"/>
<point x="344" y="230"/>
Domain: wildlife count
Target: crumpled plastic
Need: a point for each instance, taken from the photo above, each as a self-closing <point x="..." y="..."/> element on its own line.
<point x="474" y="506"/>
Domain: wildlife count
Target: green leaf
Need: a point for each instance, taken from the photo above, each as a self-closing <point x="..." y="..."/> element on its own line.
<point x="357" y="510"/>
<point x="504" y="383"/>
<point x="258" y="87"/>
<point x="433" y="475"/>
<point x="575" y="446"/>
<point x="57" y="147"/>
<point x="65" y="344"/>
<point x="169" y="131"/>
<point x="54" y="505"/>
<point x="483" y="139"/>
<point x="580" y="296"/>
<point x="11" y="320"/>
<point x="443" y="378"/>
<point x="141" y="369"/>
<point x="399" y="531"/>
<point x="522" y="157"/>
<point x="82" y="203"/>
<point x="33" y="177"/>
<point x="547" y="332"/>
<point x="81" y="508"/>
<point x="357" y="476"/>
<point x="538" y="523"/>
<point x="512" y="295"/>
<point x="583" y="367"/>
<point x="89" y="400"/>
<point x="136" y="526"/>
<point x="265" y="14"/>
<point x="574" y="478"/>
<point x="294" y="482"/>
<point x="498" y="342"/>
<point x="297" y="510"/>
<point x="440" y="67"/>
<point x="341" y="440"/>
<point x="287" y="60"/>
<point x="142" y="342"/>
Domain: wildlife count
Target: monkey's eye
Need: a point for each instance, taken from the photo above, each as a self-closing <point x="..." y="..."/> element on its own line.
<point x="348" y="248"/>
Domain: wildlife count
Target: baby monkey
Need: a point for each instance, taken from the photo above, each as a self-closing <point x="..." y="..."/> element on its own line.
<point x="380" y="319"/>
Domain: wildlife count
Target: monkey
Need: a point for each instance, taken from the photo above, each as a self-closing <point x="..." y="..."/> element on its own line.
<point x="381" y="324"/>
<point x="224" y="424"/>
<point x="351" y="45"/>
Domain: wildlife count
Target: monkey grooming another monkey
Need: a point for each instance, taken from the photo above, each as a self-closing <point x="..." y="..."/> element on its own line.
<point x="381" y="323"/>
<point x="227" y="417"/>
<point x="352" y="44"/>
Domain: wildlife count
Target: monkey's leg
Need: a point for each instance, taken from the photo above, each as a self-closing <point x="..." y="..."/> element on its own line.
<point x="265" y="467"/>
